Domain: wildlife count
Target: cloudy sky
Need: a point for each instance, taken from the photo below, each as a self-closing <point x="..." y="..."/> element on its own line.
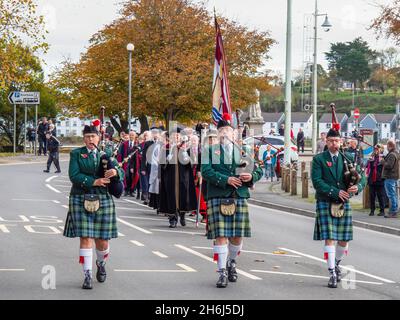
<point x="71" y="23"/>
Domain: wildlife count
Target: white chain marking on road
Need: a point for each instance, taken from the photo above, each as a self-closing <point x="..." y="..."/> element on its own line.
<point x="62" y="186"/>
<point x="138" y="270"/>
<point x="134" y="227"/>
<point x="185" y="267"/>
<point x="161" y="255"/>
<point x="139" y="244"/>
<point x="120" y="234"/>
<point x="51" y="178"/>
<point x="12" y="270"/>
<point x="343" y="267"/>
<point x="200" y="255"/>
<point x="23" y="219"/>
<point x="194" y="220"/>
<point x="312" y="276"/>
<point x="255" y="252"/>
<point x="31" y="162"/>
<point x="56" y="201"/>
<point x="52" y="188"/>
<point x="139" y="204"/>
<point x="183" y="232"/>
<point x="65" y="206"/>
<point x="34" y="200"/>
<point x="54" y="230"/>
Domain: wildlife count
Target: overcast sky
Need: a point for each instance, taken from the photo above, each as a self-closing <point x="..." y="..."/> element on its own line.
<point x="71" y="23"/>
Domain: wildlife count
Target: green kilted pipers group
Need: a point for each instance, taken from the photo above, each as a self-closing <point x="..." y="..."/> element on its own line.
<point x="91" y="215"/>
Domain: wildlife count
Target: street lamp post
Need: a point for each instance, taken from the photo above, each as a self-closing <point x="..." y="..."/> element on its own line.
<point x="130" y="47"/>
<point x="327" y="26"/>
<point x="288" y="86"/>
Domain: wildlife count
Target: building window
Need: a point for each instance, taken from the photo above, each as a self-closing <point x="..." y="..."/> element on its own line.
<point x="385" y="125"/>
<point x="328" y="125"/>
<point x="301" y="125"/>
<point x="58" y="132"/>
<point x="291" y="125"/>
<point x="67" y="123"/>
<point x="75" y="124"/>
<point x="272" y="125"/>
<point x="67" y="132"/>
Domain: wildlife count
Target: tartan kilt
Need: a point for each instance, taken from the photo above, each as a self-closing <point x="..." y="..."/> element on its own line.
<point x="98" y="225"/>
<point x="236" y="225"/>
<point x="331" y="228"/>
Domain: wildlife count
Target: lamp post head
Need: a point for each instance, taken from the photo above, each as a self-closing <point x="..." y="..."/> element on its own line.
<point x="130" y="47"/>
<point x="326" y="25"/>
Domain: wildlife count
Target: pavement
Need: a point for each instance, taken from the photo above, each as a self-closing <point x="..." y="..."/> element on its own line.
<point x="150" y="261"/>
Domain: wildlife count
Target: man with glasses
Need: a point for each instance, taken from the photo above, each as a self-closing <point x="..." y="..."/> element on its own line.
<point x="330" y="189"/>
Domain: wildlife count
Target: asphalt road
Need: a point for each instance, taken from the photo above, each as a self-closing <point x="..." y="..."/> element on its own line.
<point x="150" y="261"/>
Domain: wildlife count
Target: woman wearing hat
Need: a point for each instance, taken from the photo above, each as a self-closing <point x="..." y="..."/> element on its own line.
<point x="91" y="214"/>
<point x="227" y="191"/>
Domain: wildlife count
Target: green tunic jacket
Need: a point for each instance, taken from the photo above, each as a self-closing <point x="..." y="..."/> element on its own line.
<point x="216" y="173"/>
<point x="327" y="178"/>
<point x="82" y="172"/>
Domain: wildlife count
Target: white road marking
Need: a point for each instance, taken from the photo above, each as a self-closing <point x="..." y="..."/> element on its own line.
<point x="12" y="270"/>
<point x="185" y="267"/>
<point x="52" y="188"/>
<point x="65" y="206"/>
<point x="132" y="209"/>
<point x="35" y="200"/>
<point x="161" y="255"/>
<point x="139" y="204"/>
<point x="139" y="244"/>
<point x="121" y="234"/>
<point x="51" y="178"/>
<point x="256" y="252"/>
<point x="194" y="220"/>
<point x="30" y="162"/>
<point x="141" y="218"/>
<point x="343" y="267"/>
<point x="200" y="255"/>
<point x="134" y="227"/>
<point x="312" y="276"/>
<point x="62" y="186"/>
<point x="56" y="201"/>
<point x="183" y="232"/>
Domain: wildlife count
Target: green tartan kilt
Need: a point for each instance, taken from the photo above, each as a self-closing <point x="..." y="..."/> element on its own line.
<point x="236" y="225"/>
<point x="331" y="228"/>
<point x="98" y="225"/>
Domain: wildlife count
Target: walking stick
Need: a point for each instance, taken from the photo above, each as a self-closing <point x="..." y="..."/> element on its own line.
<point x="198" y="202"/>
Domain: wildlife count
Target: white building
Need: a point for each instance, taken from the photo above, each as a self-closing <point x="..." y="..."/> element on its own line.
<point x="386" y="125"/>
<point x="70" y="127"/>
<point x="272" y="122"/>
<point x="325" y="122"/>
<point x="302" y="120"/>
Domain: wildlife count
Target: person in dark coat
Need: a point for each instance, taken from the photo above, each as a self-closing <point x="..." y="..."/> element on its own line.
<point x="53" y="147"/>
<point x="177" y="188"/>
<point x="41" y="132"/>
<point x="375" y="181"/>
<point x="300" y="140"/>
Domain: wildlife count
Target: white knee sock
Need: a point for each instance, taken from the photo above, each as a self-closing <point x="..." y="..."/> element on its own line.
<point x="103" y="255"/>
<point x="234" y="250"/>
<point x="329" y="255"/>
<point x="221" y="255"/>
<point x="85" y="258"/>
<point x="341" y="252"/>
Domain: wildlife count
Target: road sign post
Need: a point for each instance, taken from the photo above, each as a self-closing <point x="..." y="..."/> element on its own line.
<point x="24" y="98"/>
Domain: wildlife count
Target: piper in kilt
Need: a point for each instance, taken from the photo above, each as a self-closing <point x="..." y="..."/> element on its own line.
<point x="219" y="167"/>
<point x="100" y="225"/>
<point x="328" y="180"/>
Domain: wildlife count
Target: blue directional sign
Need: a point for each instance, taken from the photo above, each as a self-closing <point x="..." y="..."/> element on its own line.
<point x="18" y="97"/>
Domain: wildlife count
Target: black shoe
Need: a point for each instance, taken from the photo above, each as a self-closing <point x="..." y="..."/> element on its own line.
<point x="172" y="222"/>
<point x="182" y="220"/>
<point x="58" y="171"/>
<point x="381" y="214"/>
<point x="138" y="196"/>
<point x="87" y="283"/>
<point x="333" y="279"/>
<point x="223" y="279"/>
<point x="371" y="213"/>
<point x="47" y="171"/>
<point x="131" y="194"/>
<point x="126" y="193"/>
<point x="231" y="268"/>
<point x="101" y="271"/>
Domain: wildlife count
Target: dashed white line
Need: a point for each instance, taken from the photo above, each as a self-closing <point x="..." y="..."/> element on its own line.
<point x="52" y="188"/>
<point x="137" y="243"/>
<point x="200" y="255"/>
<point x="139" y="204"/>
<point x="343" y="267"/>
<point x="183" y="232"/>
<point x="65" y="206"/>
<point x="62" y="186"/>
<point x="12" y="270"/>
<point x="161" y="255"/>
<point x="185" y="267"/>
<point x="256" y="252"/>
<point x="56" y="201"/>
<point x="312" y="276"/>
<point x="134" y="227"/>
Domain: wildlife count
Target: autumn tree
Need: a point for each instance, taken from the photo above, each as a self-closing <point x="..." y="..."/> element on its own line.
<point x="172" y="63"/>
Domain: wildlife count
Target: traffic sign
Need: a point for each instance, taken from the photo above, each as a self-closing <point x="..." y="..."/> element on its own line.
<point x="356" y="113"/>
<point x="17" y="97"/>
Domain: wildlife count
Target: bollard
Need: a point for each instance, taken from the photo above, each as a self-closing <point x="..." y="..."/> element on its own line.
<point x="287" y="178"/>
<point x="304" y="184"/>
<point x="282" y="178"/>
<point x="303" y="167"/>
<point x="366" y="204"/>
<point x="293" y="183"/>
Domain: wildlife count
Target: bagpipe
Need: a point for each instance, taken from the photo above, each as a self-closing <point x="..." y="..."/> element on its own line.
<point x="107" y="162"/>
